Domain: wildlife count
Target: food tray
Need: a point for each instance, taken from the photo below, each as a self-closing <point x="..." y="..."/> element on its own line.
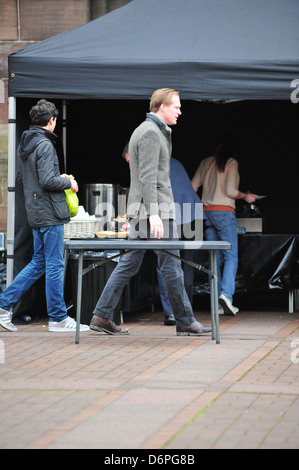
<point x="110" y="234"/>
<point x="79" y="229"/>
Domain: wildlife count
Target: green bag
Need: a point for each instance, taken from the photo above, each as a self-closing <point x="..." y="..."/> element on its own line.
<point x="72" y="201"/>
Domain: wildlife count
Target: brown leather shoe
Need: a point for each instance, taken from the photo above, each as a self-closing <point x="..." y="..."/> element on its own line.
<point x="196" y="328"/>
<point x="110" y="327"/>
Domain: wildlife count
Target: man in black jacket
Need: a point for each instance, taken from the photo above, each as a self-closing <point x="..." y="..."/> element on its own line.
<point x="47" y="212"/>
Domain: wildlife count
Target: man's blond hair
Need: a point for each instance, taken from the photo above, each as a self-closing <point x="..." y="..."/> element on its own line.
<point x="161" y="96"/>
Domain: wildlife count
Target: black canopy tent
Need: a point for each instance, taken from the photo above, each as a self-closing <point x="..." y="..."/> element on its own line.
<point x="232" y="49"/>
<point x="210" y="50"/>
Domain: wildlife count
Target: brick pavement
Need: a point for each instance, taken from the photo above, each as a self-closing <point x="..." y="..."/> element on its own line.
<point x="152" y="389"/>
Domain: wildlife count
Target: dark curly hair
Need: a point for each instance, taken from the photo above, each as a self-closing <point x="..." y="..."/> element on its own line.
<point x="41" y="113"/>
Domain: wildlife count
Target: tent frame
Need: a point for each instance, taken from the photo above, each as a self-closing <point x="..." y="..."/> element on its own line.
<point x="10" y="241"/>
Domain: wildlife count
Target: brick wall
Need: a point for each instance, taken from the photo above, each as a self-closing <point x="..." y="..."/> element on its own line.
<point x="23" y="22"/>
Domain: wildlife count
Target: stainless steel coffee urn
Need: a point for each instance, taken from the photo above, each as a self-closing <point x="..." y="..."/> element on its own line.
<point x="104" y="200"/>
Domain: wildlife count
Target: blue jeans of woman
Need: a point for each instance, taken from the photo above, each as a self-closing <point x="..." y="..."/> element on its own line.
<point x="223" y="226"/>
<point x="48" y="258"/>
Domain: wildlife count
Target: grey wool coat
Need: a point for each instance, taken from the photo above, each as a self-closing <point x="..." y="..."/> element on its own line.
<point x="150" y="189"/>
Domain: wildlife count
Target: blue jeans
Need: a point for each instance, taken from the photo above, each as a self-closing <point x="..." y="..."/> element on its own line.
<point x="129" y="265"/>
<point x="48" y="258"/>
<point x="224" y="227"/>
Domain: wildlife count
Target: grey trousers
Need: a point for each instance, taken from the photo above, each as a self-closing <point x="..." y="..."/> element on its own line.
<point x="129" y="264"/>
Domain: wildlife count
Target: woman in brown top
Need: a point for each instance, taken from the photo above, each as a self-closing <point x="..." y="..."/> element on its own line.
<point x="219" y="177"/>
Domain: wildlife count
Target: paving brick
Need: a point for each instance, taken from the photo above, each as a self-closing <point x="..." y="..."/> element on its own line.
<point x="151" y="389"/>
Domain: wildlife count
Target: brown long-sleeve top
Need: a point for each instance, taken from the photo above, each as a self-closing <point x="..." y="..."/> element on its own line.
<point x="220" y="189"/>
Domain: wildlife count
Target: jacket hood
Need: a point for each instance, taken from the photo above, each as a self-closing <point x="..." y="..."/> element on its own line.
<point x="31" y="138"/>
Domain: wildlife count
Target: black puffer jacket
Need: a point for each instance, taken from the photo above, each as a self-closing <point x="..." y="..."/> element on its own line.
<point x="38" y="170"/>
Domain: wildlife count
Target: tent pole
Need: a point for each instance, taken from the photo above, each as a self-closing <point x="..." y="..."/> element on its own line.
<point x="11" y="189"/>
<point x="64" y="132"/>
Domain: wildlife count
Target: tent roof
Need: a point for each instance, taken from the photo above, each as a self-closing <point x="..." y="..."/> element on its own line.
<point x="206" y="49"/>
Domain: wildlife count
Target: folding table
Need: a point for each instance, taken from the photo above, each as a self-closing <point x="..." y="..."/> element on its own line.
<point x="124" y="245"/>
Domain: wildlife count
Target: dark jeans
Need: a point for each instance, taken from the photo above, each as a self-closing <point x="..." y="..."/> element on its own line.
<point x="129" y="265"/>
<point x="188" y="255"/>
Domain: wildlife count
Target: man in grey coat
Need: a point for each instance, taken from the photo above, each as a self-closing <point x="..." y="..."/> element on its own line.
<point x="151" y="211"/>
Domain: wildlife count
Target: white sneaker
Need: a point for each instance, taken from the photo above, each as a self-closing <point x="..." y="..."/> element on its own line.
<point x="69" y="324"/>
<point x="228" y="307"/>
<point x="220" y="311"/>
<point x="5" y="320"/>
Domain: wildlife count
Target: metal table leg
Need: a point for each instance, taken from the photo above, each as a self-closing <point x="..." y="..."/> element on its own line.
<point x="212" y="297"/>
<point x="79" y="295"/>
<point x="291" y="300"/>
<point x="214" y="293"/>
